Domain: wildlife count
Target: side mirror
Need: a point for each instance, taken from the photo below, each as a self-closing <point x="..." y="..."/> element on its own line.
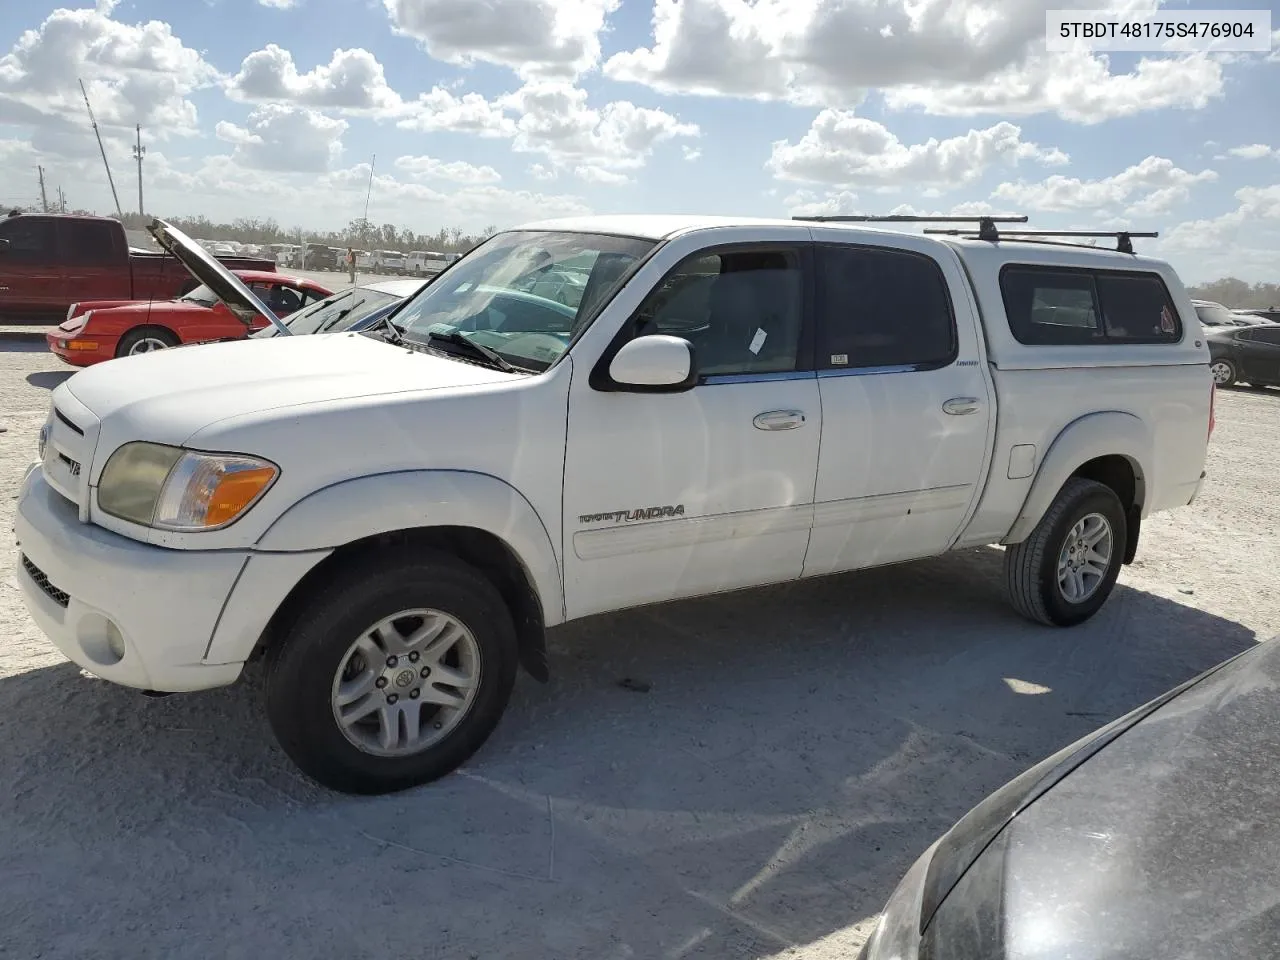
<point x="655" y="364"/>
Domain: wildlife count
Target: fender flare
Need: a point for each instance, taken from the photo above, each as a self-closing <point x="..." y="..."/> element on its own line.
<point x="1109" y="433"/>
<point x="352" y="510"/>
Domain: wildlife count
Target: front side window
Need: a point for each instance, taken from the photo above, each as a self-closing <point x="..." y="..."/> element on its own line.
<point x="30" y="240"/>
<point x="882" y="308"/>
<point x="740" y="309"/>
<point x="488" y="297"/>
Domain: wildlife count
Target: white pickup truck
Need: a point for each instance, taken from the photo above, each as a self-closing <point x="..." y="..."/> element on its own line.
<point x="394" y="518"/>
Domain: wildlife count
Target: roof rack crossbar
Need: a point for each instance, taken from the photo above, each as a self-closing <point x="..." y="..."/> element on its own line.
<point x="986" y="225"/>
<point x="1124" y="238"/>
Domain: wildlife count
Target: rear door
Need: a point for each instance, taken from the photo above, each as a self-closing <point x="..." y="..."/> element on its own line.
<point x="906" y="407"/>
<point x="95" y="261"/>
<point x="31" y="279"/>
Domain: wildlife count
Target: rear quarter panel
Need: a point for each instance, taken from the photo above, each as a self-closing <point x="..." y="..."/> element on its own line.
<point x="1042" y="390"/>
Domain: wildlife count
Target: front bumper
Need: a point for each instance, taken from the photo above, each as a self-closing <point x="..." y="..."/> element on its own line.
<point x="131" y="613"/>
<point x="56" y="339"/>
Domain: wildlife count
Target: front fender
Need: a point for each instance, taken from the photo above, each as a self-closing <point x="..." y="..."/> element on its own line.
<point x="1095" y="435"/>
<point x="385" y="503"/>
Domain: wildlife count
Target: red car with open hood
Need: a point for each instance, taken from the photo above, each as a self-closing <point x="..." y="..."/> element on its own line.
<point x="102" y="329"/>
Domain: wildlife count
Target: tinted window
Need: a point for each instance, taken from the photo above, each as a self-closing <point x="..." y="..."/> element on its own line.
<point x="89" y="242"/>
<point x="1136" y="308"/>
<point x="741" y="310"/>
<point x="29" y="239"/>
<point x="1050" y="306"/>
<point x="879" y="308"/>
<point x="1268" y="335"/>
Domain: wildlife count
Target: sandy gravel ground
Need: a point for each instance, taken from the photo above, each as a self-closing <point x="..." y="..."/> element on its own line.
<point x="799" y="747"/>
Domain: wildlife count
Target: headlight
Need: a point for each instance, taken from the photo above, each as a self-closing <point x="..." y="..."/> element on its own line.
<point x="174" y="489"/>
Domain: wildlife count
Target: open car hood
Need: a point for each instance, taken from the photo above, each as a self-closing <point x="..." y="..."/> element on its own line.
<point x="201" y="264"/>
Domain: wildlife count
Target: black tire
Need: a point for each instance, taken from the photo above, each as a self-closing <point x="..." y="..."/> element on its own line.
<point x="1031" y="567"/>
<point x="138" y="334"/>
<point x="301" y="667"/>
<point x="1230" y="371"/>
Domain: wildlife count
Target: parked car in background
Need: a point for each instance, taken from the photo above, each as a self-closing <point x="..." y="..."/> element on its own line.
<point x="366" y="260"/>
<point x="1213" y="314"/>
<point x="323" y="257"/>
<point x="1148" y="839"/>
<point x="100" y="330"/>
<point x="426" y="263"/>
<point x="1249" y="355"/>
<point x="1269" y="314"/>
<point x="345" y="310"/>
<point x="393" y="518"/>
<point x="389" y="262"/>
<point x="50" y="261"/>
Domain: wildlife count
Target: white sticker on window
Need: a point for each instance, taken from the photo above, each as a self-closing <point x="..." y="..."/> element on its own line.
<point x="839" y="359"/>
<point x="757" y="341"/>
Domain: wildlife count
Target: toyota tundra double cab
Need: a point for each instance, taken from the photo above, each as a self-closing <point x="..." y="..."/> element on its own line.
<point x="394" y="518"/>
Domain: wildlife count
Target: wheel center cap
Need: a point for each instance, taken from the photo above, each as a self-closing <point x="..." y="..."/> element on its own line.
<point x="405" y="678"/>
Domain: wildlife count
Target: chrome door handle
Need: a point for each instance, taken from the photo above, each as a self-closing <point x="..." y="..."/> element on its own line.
<point x="959" y="406"/>
<point x="779" y="420"/>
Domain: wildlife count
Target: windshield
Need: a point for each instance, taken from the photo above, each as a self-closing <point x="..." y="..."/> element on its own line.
<point x="1214" y="314"/>
<point x="333" y="314"/>
<point x="201" y="295"/>
<point x="495" y="296"/>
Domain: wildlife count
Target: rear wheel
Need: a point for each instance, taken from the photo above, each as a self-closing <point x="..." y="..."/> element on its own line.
<point x="1065" y="570"/>
<point x="394" y="673"/>
<point x="1224" y="372"/>
<point x="145" y="340"/>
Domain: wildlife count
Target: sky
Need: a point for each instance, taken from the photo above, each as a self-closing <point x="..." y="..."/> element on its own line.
<point x="475" y="113"/>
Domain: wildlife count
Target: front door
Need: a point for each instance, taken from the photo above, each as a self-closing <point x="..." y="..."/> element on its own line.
<point x="905" y="403"/>
<point x="1260" y="355"/>
<point x="30" y="275"/>
<point x="681" y="494"/>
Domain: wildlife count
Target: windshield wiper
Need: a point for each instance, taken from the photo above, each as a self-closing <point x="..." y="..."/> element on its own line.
<point x="393" y="334"/>
<point x="477" y="350"/>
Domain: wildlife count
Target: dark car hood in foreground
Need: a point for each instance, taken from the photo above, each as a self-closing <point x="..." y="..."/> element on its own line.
<point x="1165" y="844"/>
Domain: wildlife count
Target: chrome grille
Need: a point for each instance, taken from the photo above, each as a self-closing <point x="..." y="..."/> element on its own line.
<point x="60" y="597"/>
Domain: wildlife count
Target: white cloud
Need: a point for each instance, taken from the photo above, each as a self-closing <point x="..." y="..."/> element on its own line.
<point x="556" y="121"/>
<point x="945" y="56"/>
<point x="352" y="80"/>
<point x="540" y="172"/>
<point x="134" y="74"/>
<point x="1076" y="86"/>
<point x="1240" y="243"/>
<point x="456" y="171"/>
<point x="843" y="149"/>
<point x="470" y="113"/>
<point x="534" y="37"/>
<point x="593" y="174"/>
<point x="285" y="138"/>
<point x="1254" y="151"/>
<point x="691" y="153"/>
<point x="1152" y="187"/>
<point x="278" y="4"/>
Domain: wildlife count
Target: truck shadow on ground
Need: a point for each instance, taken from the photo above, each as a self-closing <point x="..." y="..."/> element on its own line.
<point x="797" y="748"/>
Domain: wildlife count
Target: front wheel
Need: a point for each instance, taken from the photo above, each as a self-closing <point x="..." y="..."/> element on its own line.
<point x="1224" y="372"/>
<point x="145" y="340"/>
<point x="393" y="675"/>
<point x="1063" y="573"/>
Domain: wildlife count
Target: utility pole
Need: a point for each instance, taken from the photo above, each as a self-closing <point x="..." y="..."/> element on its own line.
<point x="139" y="151"/>
<point x="102" y="150"/>
<point x="369" y="193"/>
<point x="44" y="197"/>
<point x="62" y="201"/>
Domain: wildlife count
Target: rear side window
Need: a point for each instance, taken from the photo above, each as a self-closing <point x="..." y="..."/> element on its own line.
<point x="882" y="308"/>
<point x="1060" y="307"/>
<point x="88" y="242"/>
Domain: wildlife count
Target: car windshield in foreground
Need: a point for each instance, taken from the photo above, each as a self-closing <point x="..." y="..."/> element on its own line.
<point x="493" y="298"/>
<point x="201" y="295"/>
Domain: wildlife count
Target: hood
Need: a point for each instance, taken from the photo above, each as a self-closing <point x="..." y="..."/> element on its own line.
<point x="168" y="395"/>
<point x="1163" y="844"/>
<point x="202" y="265"/>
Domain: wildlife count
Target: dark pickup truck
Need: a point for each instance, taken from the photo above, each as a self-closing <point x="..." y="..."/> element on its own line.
<point x="49" y="262"/>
